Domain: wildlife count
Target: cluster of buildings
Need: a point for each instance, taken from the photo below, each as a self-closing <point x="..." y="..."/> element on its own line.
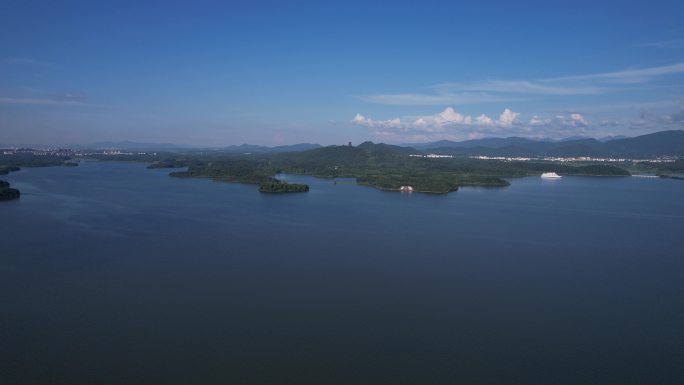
<point x="553" y="158"/>
<point x="115" y="152"/>
<point x="38" y="151"/>
<point x="65" y="152"/>
<point x="431" y="156"/>
<point x="577" y="159"/>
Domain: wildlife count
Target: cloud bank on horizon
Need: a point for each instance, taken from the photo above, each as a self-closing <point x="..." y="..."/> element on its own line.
<point x="450" y="124"/>
<point x="453" y="125"/>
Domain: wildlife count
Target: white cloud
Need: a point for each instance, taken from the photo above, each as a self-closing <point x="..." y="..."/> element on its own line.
<point x="518" y="90"/>
<point x="520" y="87"/>
<point x="367" y="122"/>
<point x="677" y="118"/>
<point x="674" y="43"/>
<point x="537" y="121"/>
<point x="450" y="124"/>
<point x="572" y="120"/>
<point x="441" y="121"/>
<point x="508" y="117"/>
<point x="438" y="121"/>
<point x="641" y="75"/>
<point x="484" y="120"/>
<point x="359" y="119"/>
<point x="39" y="101"/>
<point x="451" y="116"/>
<point x="578" y="119"/>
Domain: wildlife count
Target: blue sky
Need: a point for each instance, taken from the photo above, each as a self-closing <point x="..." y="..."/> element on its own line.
<point x="220" y="73"/>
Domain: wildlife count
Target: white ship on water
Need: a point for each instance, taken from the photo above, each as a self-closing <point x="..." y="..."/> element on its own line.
<point x="550" y="175"/>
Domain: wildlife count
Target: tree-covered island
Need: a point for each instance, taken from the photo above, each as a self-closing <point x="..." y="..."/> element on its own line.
<point x="7" y="193"/>
<point x="381" y="166"/>
<point x="237" y="169"/>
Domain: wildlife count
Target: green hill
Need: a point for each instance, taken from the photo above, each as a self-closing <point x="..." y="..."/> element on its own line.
<point x="663" y="143"/>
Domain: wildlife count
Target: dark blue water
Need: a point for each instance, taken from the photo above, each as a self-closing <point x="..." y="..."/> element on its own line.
<point x="114" y="274"/>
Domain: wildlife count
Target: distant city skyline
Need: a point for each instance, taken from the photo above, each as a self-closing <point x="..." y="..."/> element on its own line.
<point x="271" y="73"/>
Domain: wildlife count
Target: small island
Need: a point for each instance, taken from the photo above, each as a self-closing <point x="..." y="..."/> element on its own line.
<point x="7" y="193"/>
<point x="241" y="170"/>
<point x="277" y="186"/>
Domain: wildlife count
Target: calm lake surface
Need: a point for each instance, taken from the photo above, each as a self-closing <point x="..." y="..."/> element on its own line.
<point x="114" y="274"/>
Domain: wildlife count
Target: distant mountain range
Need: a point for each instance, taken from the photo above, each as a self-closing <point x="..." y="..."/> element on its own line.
<point x="244" y="148"/>
<point x="128" y="145"/>
<point x="661" y="143"/>
<point x="250" y="148"/>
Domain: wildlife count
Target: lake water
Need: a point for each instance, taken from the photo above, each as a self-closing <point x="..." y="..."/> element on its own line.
<point x="114" y="274"/>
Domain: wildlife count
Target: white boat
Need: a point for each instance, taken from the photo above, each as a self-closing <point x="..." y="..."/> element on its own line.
<point x="550" y="175"/>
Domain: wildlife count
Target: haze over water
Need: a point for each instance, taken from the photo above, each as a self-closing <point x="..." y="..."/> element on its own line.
<point x="113" y="273"/>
